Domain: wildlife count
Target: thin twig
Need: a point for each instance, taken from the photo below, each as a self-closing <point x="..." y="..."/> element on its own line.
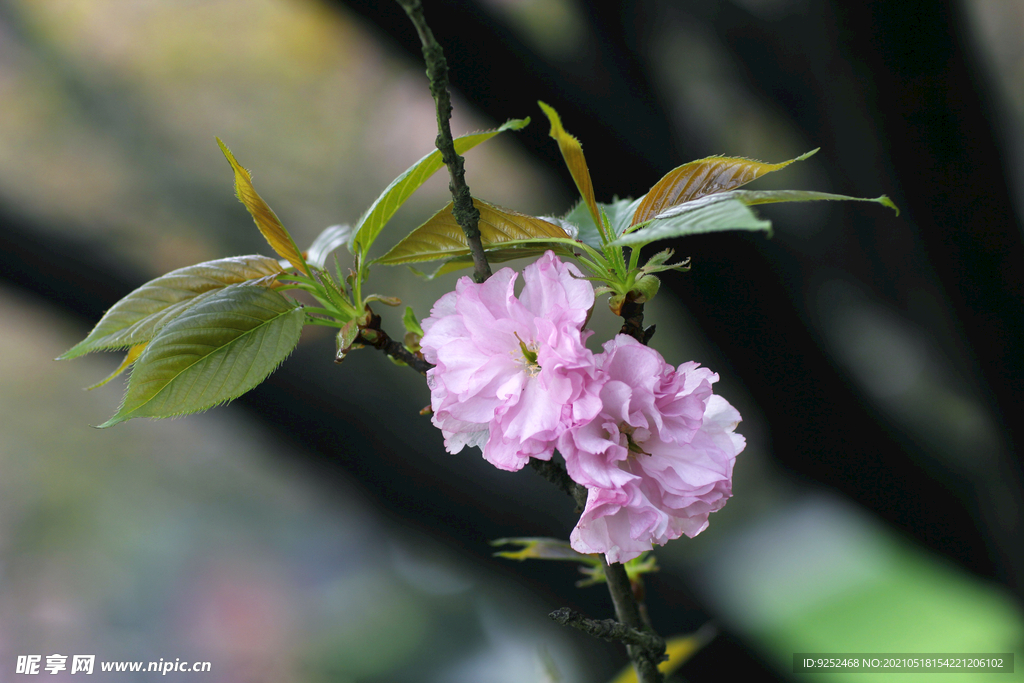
<point x="466" y="214"/>
<point x="608" y="629"/>
<point x="628" y="609"/>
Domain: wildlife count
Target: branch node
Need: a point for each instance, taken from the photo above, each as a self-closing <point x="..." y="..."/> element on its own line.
<point x="633" y="321"/>
<point x="371" y="334"/>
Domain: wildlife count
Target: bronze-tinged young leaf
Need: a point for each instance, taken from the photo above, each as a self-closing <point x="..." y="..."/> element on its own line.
<point x="441" y="237"/>
<point x="402" y="187"/>
<point x="572" y="152"/>
<point x="129" y="358"/>
<point x="457" y="263"/>
<point x="266" y="220"/>
<point x="703" y="177"/>
<point x="137" y="317"/>
<point x="212" y="353"/>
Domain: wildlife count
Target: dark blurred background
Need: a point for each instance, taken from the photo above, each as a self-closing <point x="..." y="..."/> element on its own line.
<point x="316" y="530"/>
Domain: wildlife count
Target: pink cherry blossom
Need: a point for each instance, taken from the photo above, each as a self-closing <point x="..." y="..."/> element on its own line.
<point x="512" y="374"/>
<point x="658" y="458"/>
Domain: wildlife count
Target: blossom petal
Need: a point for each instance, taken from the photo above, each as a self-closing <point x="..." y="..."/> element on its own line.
<point x="512" y="373"/>
<point x="659" y="457"/>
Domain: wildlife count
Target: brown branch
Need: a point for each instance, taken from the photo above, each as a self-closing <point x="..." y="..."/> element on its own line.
<point x="466" y="214"/>
<point x="609" y="629"/>
<point x="628" y="609"/>
<point x="633" y="321"/>
<point x="371" y="334"/>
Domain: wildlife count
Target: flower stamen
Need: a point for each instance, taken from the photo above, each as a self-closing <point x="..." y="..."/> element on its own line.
<point x="632" y="446"/>
<point x="529" y="356"/>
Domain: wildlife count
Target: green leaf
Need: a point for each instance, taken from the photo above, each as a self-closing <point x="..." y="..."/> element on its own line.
<point x="411" y="322"/>
<point x="619" y="213"/>
<point x="441" y="237"/>
<point x="727" y="211"/>
<point x="572" y="153"/>
<point x="700" y="178"/>
<point x="493" y="256"/>
<point x="136" y="318"/>
<point x="129" y="358"/>
<point x="327" y="241"/>
<point x="709" y="214"/>
<point x="383" y="298"/>
<point x="402" y="187"/>
<point x="751" y="197"/>
<point x="215" y="351"/>
<point x="658" y="261"/>
<point x="644" y="563"/>
<point x="266" y="220"/>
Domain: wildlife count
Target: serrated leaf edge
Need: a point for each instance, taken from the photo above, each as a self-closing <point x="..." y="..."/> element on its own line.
<point x="118" y="417"/>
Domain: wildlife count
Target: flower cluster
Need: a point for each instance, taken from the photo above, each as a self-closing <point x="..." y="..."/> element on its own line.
<point x="651" y="443"/>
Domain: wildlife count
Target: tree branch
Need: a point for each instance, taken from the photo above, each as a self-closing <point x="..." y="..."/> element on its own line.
<point x="466" y="214"/>
<point x="371" y="334"/>
<point x="609" y="629"/>
<point x="628" y="609"/>
<point x="633" y="321"/>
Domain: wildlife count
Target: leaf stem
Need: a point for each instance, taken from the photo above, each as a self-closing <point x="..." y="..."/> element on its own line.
<point x="310" y="320"/>
<point x="321" y="311"/>
<point x="466" y="214"/>
<point x="634" y="258"/>
<point x="303" y="287"/>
